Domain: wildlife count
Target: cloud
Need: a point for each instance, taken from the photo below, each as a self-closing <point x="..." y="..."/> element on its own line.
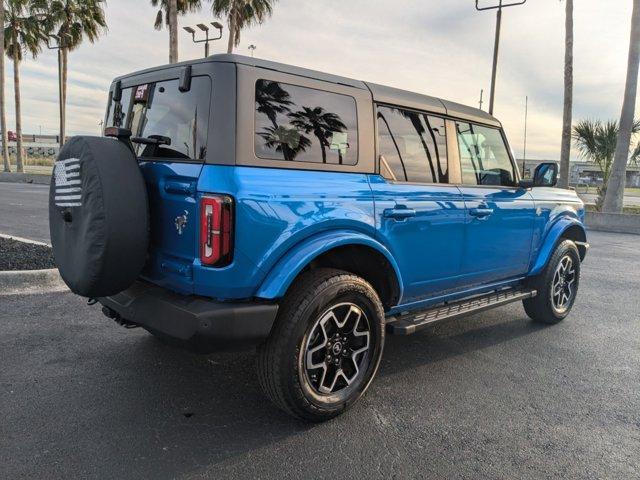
<point x="438" y="48"/>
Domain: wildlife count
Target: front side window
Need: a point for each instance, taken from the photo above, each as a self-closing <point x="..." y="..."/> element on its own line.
<point x="484" y="158"/>
<point x="412" y="146"/>
<point x="178" y="120"/>
<point x="305" y="125"/>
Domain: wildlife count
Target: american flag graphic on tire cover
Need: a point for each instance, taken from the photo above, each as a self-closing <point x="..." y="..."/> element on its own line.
<point x="68" y="183"/>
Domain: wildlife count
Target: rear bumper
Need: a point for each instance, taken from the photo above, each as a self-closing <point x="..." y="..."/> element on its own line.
<point x="191" y="318"/>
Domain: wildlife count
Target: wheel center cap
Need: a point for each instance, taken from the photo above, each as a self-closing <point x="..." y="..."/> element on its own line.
<point x="337" y="348"/>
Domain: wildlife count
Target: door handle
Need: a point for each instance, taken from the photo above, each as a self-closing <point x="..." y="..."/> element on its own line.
<point x="399" y="213"/>
<point x="480" y="212"/>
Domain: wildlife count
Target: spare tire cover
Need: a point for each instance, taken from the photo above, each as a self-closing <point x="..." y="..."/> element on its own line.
<point x="98" y="216"/>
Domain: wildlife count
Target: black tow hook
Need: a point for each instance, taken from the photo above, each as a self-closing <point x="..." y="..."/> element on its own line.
<point x="116" y="317"/>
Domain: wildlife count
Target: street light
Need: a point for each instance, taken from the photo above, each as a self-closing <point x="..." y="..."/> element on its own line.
<point x="205" y="29"/>
<point x="60" y="44"/>
<point x="252" y="48"/>
<point x="496" y="44"/>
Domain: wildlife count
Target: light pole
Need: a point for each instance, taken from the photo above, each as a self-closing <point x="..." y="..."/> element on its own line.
<point x="59" y="46"/>
<point x="252" y="48"/>
<point x="206" y="40"/>
<point x="496" y="45"/>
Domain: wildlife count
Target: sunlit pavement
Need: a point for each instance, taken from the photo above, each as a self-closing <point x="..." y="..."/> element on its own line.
<point x="492" y="396"/>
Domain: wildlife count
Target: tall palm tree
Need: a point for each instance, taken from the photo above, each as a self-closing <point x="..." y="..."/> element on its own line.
<point x="72" y="21"/>
<point x="3" y="113"/>
<point x="319" y="122"/>
<point x="241" y="14"/>
<point x="271" y="100"/>
<point x="614" y="196"/>
<point x="168" y="14"/>
<point x="596" y="141"/>
<point x="565" y="149"/>
<point x="22" y="33"/>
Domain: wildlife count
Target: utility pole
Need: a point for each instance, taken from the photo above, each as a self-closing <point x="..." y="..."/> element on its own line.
<point x="252" y="48"/>
<point x="496" y="44"/>
<point x="524" y="154"/>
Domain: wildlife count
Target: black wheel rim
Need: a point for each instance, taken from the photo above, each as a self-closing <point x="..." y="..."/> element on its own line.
<point x="563" y="285"/>
<point x="337" y="350"/>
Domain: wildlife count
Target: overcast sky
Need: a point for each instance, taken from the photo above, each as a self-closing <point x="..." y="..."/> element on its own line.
<point x="437" y="47"/>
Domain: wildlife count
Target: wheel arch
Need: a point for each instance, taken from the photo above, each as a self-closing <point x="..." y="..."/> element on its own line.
<point x="565" y="228"/>
<point x="353" y="252"/>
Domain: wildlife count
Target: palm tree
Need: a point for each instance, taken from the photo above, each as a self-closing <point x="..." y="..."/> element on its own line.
<point x="241" y="14"/>
<point x="72" y="21"/>
<point x="565" y="149"/>
<point x="168" y="14"/>
<point x="3" y="114"/>
<point x="614" y="197"/>
<point x="22" y="33"/>
<point x="596" y="141"/>
<point x="284" y="139"/>
<point x="271" y="100"/>
<point x="319" y="122"/>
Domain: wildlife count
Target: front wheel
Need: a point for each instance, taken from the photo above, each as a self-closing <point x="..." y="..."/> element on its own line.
<point x="325" y="347"/>
<point x="557" y="286"/>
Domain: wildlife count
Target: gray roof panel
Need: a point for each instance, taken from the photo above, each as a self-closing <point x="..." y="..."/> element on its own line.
<point x="395" y="96"/>
<point x="380" y="93"/>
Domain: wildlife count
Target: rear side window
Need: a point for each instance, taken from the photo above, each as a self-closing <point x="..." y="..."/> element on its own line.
<point x="412" y="146"/>
<point x="484" y="158"/>
<point x="160" y="110"/>
<point x="305" y="125"/>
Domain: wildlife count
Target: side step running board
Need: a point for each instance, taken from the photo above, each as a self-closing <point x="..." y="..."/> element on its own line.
<point x="412" y="322"/>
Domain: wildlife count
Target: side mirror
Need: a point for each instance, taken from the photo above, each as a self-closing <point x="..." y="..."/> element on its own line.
<point x="546" y="175"/>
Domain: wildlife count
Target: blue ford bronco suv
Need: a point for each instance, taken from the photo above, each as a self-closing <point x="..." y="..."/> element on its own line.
<point x="239" y="202"/>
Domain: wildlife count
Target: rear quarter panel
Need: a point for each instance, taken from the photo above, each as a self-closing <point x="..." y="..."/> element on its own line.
<point x="276" y="209"/>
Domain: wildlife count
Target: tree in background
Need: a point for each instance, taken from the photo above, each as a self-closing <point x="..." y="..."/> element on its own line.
<point x="72" y="21"/>
<point x="241" y="14"/>
<point x="3" y="113"/>
<point x="614" y="196"/>
<point x="596" y="141"/>
<point x="22" y="33"/>
<point x="168" y="14"/>
<point x="565" y="149"/>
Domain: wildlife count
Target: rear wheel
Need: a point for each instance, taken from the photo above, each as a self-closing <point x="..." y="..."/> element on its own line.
<point x="325" y="347"/>
<point x="557" y="285"/>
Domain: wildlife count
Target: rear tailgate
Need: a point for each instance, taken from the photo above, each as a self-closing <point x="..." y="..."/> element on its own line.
<point x="174" y="223"/>
<point x="169" y="120"/>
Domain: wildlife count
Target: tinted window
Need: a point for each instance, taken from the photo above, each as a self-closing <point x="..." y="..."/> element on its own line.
<point x="484" y="159"/>
<point x="412" y="146"/>
<point x="305" y="125"/>
<point x="118" y="111"/>
<point x="162" y="110"/>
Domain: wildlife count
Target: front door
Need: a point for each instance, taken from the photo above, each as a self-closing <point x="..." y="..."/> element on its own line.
<point x="419" y="217"/>
<point x="499" y="215"/>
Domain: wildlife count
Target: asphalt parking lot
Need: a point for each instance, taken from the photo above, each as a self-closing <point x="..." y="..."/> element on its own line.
<point x="492" y="396"/>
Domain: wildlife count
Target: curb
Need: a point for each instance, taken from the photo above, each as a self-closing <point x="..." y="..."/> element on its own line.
<point x="15" y="282"/>
<point x="37" y="178"/>
<point x="31" y="281"/>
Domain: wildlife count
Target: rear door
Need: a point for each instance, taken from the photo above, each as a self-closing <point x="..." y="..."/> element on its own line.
<point x="419" y="216"/>
<point x="169" y="129"/>
<point x="499" y="215"/>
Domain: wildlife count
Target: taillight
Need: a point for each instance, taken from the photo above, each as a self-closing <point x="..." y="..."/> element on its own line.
<point x="216" y="230"/>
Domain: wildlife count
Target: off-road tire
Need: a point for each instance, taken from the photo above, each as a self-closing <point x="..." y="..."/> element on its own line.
<point x="541" y="307"/>
<point x="280" y="362"/>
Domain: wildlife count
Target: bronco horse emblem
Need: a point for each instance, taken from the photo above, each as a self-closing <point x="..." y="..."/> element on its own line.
<point x="181" y="221"/>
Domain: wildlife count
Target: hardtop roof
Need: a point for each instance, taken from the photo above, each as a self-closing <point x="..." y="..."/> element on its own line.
<point x="380" y="93"/>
